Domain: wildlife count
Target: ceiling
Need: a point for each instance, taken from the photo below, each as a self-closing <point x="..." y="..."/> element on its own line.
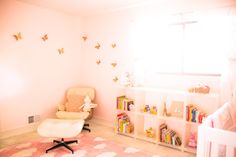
<point x="93" y="7"/>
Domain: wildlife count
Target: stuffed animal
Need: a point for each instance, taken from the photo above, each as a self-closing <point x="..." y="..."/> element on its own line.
<point x="88" y="105"/>
<point x="192" y="141"/>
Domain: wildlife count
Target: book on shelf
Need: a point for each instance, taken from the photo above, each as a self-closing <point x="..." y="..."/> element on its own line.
<point x="169" y="136"/>
<point x="178" y="141"/>
<point x="193" y="114"/>
<point x="162" y="127"/>
<point x="124" y="103"/>
<point x="123" y="123"/>
<point x="187" y="113"/>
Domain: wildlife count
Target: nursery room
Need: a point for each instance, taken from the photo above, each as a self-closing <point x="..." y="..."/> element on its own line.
<point x="117" y="78"/>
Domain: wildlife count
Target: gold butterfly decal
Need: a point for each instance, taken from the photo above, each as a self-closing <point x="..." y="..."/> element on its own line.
<point x="18" y="36"/>
<point x="84" y="38"/>
<point x="61" y="50"/>
<point x="97" y="46"/>
<point x="45" y="37"/>
<point x="113" y="64"/>
<point x="98" y="62"/>
<point x="115" y="79"/>
<point x="113" y="45"/>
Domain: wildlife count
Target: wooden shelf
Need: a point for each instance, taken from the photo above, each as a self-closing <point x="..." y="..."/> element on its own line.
<point x="142" y="136"/>
<point x="132" y="112"/>
<point x="126" y="134"/>
<point x="156" y="97"/>
<point x="192" y="123"/>
<point x="170" y="145"/>
<point x="146" y="114"/>
<point x="167" y="91"/>
<point x="171" y="118"/>
<point x="190" y="150"/>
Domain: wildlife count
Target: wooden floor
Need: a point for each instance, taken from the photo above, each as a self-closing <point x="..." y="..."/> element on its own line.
<point x="108" y="133"/>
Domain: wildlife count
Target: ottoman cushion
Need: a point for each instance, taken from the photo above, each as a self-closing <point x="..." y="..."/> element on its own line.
<point x="60" y="128"/>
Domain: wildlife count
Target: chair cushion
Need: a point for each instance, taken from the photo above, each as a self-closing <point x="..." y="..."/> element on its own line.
<point x="72" y="115"/>
<point x="74" y="103"/>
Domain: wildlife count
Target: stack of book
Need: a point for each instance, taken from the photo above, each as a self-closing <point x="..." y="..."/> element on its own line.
<point x="123" y="103"/>
<point x="193" y="114"/>
<point x="124" y="124"/>
<point x="169" y="136"/>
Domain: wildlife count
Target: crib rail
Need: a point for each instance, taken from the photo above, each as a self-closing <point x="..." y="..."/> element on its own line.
<point x="209" y="140"/>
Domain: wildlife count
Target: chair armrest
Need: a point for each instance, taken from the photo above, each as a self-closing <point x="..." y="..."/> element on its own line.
<point x="93" y="105"/>
<point x="88" y="107"/>
<point x="61" y="107"/>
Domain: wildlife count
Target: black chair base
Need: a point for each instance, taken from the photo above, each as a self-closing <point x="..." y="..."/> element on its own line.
<point x="62" y="143"/>
<point x="85" y="127"/>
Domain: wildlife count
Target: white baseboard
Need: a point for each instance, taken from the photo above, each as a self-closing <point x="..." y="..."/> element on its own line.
<point x="100" y="121"/>
<point x="22" y="130"/>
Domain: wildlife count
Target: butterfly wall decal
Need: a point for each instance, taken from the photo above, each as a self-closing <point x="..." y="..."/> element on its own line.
<point x="61" y="50"/>
<point x="113" y="45"/>
<point x="84" y="38"/>
<point x="18" y="36"/>
<point x="113" y="64"/>
<point x="98" y="62"/>
<point x="115" y="79"/>
<point x="97" y="46"/>
<point x="45" y="37"/>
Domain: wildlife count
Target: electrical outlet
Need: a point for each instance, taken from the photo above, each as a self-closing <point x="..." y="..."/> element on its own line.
<point x="30" y="119"/>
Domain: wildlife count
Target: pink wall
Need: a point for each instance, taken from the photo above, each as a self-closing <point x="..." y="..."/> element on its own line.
<point x="117" y="27"/>
<point x="33" y="76"/>
<point x="106" y="30"/>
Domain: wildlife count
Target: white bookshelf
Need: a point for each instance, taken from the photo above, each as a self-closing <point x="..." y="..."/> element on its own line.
<point x="156" y="97"/>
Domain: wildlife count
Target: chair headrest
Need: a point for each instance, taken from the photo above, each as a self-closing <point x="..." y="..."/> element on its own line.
<point x="81" y="91"/>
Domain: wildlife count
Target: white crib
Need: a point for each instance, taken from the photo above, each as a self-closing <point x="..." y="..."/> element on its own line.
<point x="212" y="140"/>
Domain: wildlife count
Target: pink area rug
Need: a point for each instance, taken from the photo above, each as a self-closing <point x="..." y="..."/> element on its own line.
<point x="88" y="146"/>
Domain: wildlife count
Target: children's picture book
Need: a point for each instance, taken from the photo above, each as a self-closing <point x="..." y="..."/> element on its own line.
<point x="176" y="109"/>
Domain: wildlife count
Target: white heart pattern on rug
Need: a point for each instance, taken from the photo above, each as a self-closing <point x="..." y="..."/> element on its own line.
<point x="107" y="154"/>
<point x="100" y="146"/>
<point x="25" y="145"/>
<point x="89" y="146"/>
<point x="99" y="139"/>
<point x="48" y="155"/>
<point x="131" y="150"/>
<point x="25" y="153"/>
<point x="79" y="153"/>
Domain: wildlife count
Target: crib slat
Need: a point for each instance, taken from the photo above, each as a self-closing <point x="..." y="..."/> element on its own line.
<point x="230" y="151"/>
<point x="201" y="142"/>
<point x="214" y="149"/>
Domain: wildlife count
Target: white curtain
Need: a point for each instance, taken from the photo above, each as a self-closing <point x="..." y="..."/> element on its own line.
<point x="228" y="82"/>
<point x="228" y="78"/>
<point x="233" y="79"/>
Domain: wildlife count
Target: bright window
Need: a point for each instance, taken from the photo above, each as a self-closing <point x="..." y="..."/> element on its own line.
<point x="181" y="45"/>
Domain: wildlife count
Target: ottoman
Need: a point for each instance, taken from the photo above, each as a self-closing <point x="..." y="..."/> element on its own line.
<point x="61" y="128"/>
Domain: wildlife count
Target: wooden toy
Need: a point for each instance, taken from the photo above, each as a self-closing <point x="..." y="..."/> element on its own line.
<point x="154" y="110"/>
<point x="150" y="132"/>
<point x="146" y="109"/>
